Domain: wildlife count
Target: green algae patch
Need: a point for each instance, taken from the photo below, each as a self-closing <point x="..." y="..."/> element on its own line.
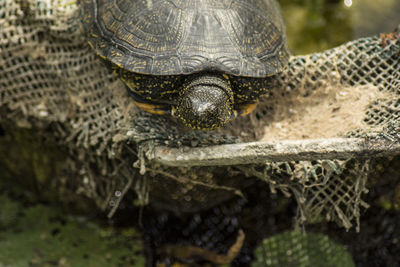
<point x="299" y="249"/>
<point x="45" y="236"/>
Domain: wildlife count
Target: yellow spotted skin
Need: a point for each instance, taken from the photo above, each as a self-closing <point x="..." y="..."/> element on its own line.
<point x="167" y="88"/>
<point x="161" y="94"/>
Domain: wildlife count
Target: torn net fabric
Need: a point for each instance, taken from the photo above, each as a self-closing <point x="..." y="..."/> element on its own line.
<point x="52" y="82"/>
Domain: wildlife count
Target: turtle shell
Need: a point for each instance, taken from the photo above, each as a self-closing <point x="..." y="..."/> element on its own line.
<point x="171" y="37"/>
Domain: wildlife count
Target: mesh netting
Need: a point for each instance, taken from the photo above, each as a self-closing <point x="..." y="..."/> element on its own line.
<point x="299" y="249"/>
<point x="52" y="81"/>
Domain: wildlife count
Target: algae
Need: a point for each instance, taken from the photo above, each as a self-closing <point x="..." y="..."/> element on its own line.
<point x="300" y="249"/>
<point x="33" y="233"/>
<point x="45" y="236"/>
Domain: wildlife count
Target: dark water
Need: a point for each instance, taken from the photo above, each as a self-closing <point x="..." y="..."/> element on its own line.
<point x="316" y="25"/>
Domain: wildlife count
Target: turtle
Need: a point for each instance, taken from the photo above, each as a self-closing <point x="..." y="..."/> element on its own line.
<point x="205" y="62"/>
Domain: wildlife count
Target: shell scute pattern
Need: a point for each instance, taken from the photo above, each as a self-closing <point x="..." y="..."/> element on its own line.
<point x="202" y="61"/>
<point x="142" y="29"/>
<point x="244" y="38"/>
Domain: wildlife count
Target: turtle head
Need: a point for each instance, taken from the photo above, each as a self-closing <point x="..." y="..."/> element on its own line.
<point x="205" y="103"/>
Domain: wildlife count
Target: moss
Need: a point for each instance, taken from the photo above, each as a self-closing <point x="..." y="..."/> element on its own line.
<point x="45" y="236"/>
<point x="298" y="249"/>
<point x="35" y="234"/>
<point x="8" y="212"/>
